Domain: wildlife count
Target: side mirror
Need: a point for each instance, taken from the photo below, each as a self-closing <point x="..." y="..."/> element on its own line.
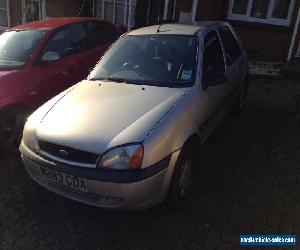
<point x="50" y="56"/>
<point x="214" y="79"/>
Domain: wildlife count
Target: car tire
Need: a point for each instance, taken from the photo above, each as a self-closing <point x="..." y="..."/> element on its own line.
<point x="183" y="176"/>
<point x="11" y="129"/>
<point x="241" y="100"/>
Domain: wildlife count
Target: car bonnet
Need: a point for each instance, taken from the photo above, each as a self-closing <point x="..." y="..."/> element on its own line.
<point x="96" y="115"/>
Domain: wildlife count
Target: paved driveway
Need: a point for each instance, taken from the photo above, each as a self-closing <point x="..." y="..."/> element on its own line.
<point x="248" y="182"/>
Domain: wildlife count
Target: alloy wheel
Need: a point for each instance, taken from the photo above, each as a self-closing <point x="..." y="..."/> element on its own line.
<point x="185" y="177"/>
<point x="11" y="130"/>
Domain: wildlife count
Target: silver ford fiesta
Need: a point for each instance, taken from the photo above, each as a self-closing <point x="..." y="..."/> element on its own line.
<point x="127" y="136"/>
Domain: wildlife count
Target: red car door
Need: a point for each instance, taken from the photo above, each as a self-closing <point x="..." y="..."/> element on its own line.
<point x="100" y="36"/>
<point x="57" y="67"/>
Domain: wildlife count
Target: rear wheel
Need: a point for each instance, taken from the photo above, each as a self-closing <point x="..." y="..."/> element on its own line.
<point x="241" y="100"/>
<point x="183" y="176"/>
<point x="11" y="129"/>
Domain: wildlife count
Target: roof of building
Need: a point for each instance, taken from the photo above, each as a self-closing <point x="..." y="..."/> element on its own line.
<point x="174" y="29"/>
<point x="53" y="23"/>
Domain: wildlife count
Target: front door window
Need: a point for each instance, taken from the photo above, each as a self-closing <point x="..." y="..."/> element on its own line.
<point x="213" y="60"/>
<point x="68" y="41"/>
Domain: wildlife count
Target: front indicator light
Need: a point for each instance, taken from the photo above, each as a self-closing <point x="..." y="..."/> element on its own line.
<point x="136" y="159"/>
<point x="29" y="138"/>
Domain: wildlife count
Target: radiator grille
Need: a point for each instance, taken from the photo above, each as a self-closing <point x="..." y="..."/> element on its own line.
<point x="68" y="154"/>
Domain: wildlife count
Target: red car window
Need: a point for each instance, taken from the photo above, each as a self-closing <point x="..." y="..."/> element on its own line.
<point x="68" y="41"/>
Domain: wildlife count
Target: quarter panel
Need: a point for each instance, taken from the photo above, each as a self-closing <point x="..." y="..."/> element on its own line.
<point x="143" y="125"/>
<point x="17" y="87"/>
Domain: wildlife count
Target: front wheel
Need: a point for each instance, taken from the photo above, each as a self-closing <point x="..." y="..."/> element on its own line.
<point x="183" y="176"/>
<point x="11" y="129"/>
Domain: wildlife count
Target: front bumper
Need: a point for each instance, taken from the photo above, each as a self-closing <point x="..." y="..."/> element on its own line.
<point x="107" y="188"/>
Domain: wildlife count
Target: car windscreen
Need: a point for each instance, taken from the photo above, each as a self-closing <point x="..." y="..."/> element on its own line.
<point x="16" y="47"/>
<point x="158" y="60"/>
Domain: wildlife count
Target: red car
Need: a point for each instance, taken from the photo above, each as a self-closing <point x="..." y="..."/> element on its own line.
<point x="40" y="59"/>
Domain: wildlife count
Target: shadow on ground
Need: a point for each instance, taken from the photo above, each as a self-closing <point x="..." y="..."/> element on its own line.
<point x="247" y="182"/>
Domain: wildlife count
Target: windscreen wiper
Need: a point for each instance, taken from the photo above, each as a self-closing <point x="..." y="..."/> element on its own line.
<point x="117" y="79"/>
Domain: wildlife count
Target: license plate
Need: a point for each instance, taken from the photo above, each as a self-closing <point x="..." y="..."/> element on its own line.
<point x="74" y="182"/>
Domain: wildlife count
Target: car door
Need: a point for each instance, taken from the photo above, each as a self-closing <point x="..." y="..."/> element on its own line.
<point x="55" y="74"/>
<point x="100" y="37"/>
<point x="211" y="98"/>
<point x="235" y="62"/>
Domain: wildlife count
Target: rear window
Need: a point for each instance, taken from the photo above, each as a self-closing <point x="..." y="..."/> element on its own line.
<point x="232" y="47"/>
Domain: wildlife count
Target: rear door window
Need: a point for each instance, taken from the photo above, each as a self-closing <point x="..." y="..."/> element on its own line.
<point x="213" y="59"/>
<point x="232" y="47"/>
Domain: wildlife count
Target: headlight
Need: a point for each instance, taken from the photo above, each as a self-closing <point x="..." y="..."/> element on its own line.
<point x="29" y="138"/>
<point x="121" y="158"/>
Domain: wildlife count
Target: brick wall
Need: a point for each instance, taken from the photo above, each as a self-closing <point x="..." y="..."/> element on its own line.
<point x="262" y="41"/>
<point x="210" y="9"/>
<point x="265" y="42"/>
<point x="183" y="5"/>
<point x="58" y="8"/>
<point x="270" y="42"/>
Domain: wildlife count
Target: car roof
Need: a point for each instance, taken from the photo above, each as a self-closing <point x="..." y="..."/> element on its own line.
<point x="53" y="23"/>
<point x="175" y="28"/>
